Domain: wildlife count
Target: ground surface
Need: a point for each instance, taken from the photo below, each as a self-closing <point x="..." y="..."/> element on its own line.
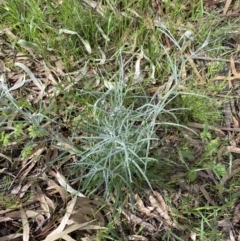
<point x="119" y="120"/>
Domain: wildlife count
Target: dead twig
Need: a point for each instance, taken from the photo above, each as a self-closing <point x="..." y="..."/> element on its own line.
<point x="212" y="59"/>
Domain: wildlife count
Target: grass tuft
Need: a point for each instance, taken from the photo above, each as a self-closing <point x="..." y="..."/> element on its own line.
<point x="118" y="136"/>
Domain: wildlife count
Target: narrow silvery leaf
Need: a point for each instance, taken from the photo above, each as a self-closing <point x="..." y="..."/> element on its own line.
<point x="27" y="44"/>
<point x="85" y="43"/>
<point x="103" y="59"/>
<point x="66" y="186"/>
<point x="31" y="75"/>
<point x="103" y="34"/>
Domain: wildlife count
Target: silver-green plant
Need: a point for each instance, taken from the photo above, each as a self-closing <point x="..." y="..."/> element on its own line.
<point x="118" y="138"/>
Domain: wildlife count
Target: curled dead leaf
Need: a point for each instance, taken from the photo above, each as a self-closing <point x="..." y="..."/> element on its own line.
<point x="136" y="220"/>
<point x="159" y="204"/>
<point x="227" y="149"/>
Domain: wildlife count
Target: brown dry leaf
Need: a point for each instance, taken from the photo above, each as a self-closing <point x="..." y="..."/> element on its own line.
<point x="2" y="67"/>
<point x="10" y="34"/>
<point x="57" y="189"/>
<point x="16" y="78"/>
<point x="35" y="81"/>
<point x="49" y="202"/>
<point x="56" y="4"/>
<point x="193" y="65"/>
<point x="169" y="84"/>
<point x="87" y="210"/>
<point x="42" y="199"/>
<point x="11" y="237"/>
<point x="58" y="231"/>
<point x="3" y="170"/>
<point x="5" y="219"/>
<point x="157" y="9"/>
<point x="49" y="77"/>
<point x="148" y="21"/>
<point x="211" y="176"/>
<point x="202" y="126"/>
<point x="24" y="189"/>
<point x="174" y="138"/>
<point x="25" y="162"/>
<point x="226" y="224"/>
<point x="159" y="204"/>
<point x="6" y="157"/>
<point x="23" y="173"/>
<point x="184" y="71"/>
<point x="38" y="218"/>
<point x="65" y="144"/>
<point x="237" y="139"/>
<point x="25" y="225"/>
<point x="16" y="190"/>
<point x="29" y="214"/>
<point x="107" y="39"/>
<point x="152" y="90"/>
<point x="87" y="239"/>
<point x="233" y="68"/>
<point x="235" y="76"/>
<point x="30" y="47"/>
<point x="70" y="229"/>
<point x="96" y="6"/>
<point x="228" y="78"/>
<point x="193" y="236"/>
<point x="162" y="89"/>
<point x="103" y="56"/>
<point x="236" y="215"/>
<point x="227" y="110"/>
<point x="175" y="197"/>
<point x="14" y="214"/>
<point x="136" y="220"/>
<point x="21" y="215"/>
<point x="227" y="149"/>
<point x="137" y="237"/>
<point x="141" y="207"/>
<point x="68" y="238"/>
<point x="85" y="226"/>
<point x="137" y="74"/>
<point x="59" y="65"/>
<point x="62" y="181"/>
<point x="52" y="154"/>
<point x="235" y="122"/>
<point x="125" y="36"/>
<point x="207" y="196"/>
<point x="226" y="7"/>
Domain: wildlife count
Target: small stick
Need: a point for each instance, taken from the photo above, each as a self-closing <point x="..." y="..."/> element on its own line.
<point x="212" y="59"/>
<point x="219" y="129"/>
